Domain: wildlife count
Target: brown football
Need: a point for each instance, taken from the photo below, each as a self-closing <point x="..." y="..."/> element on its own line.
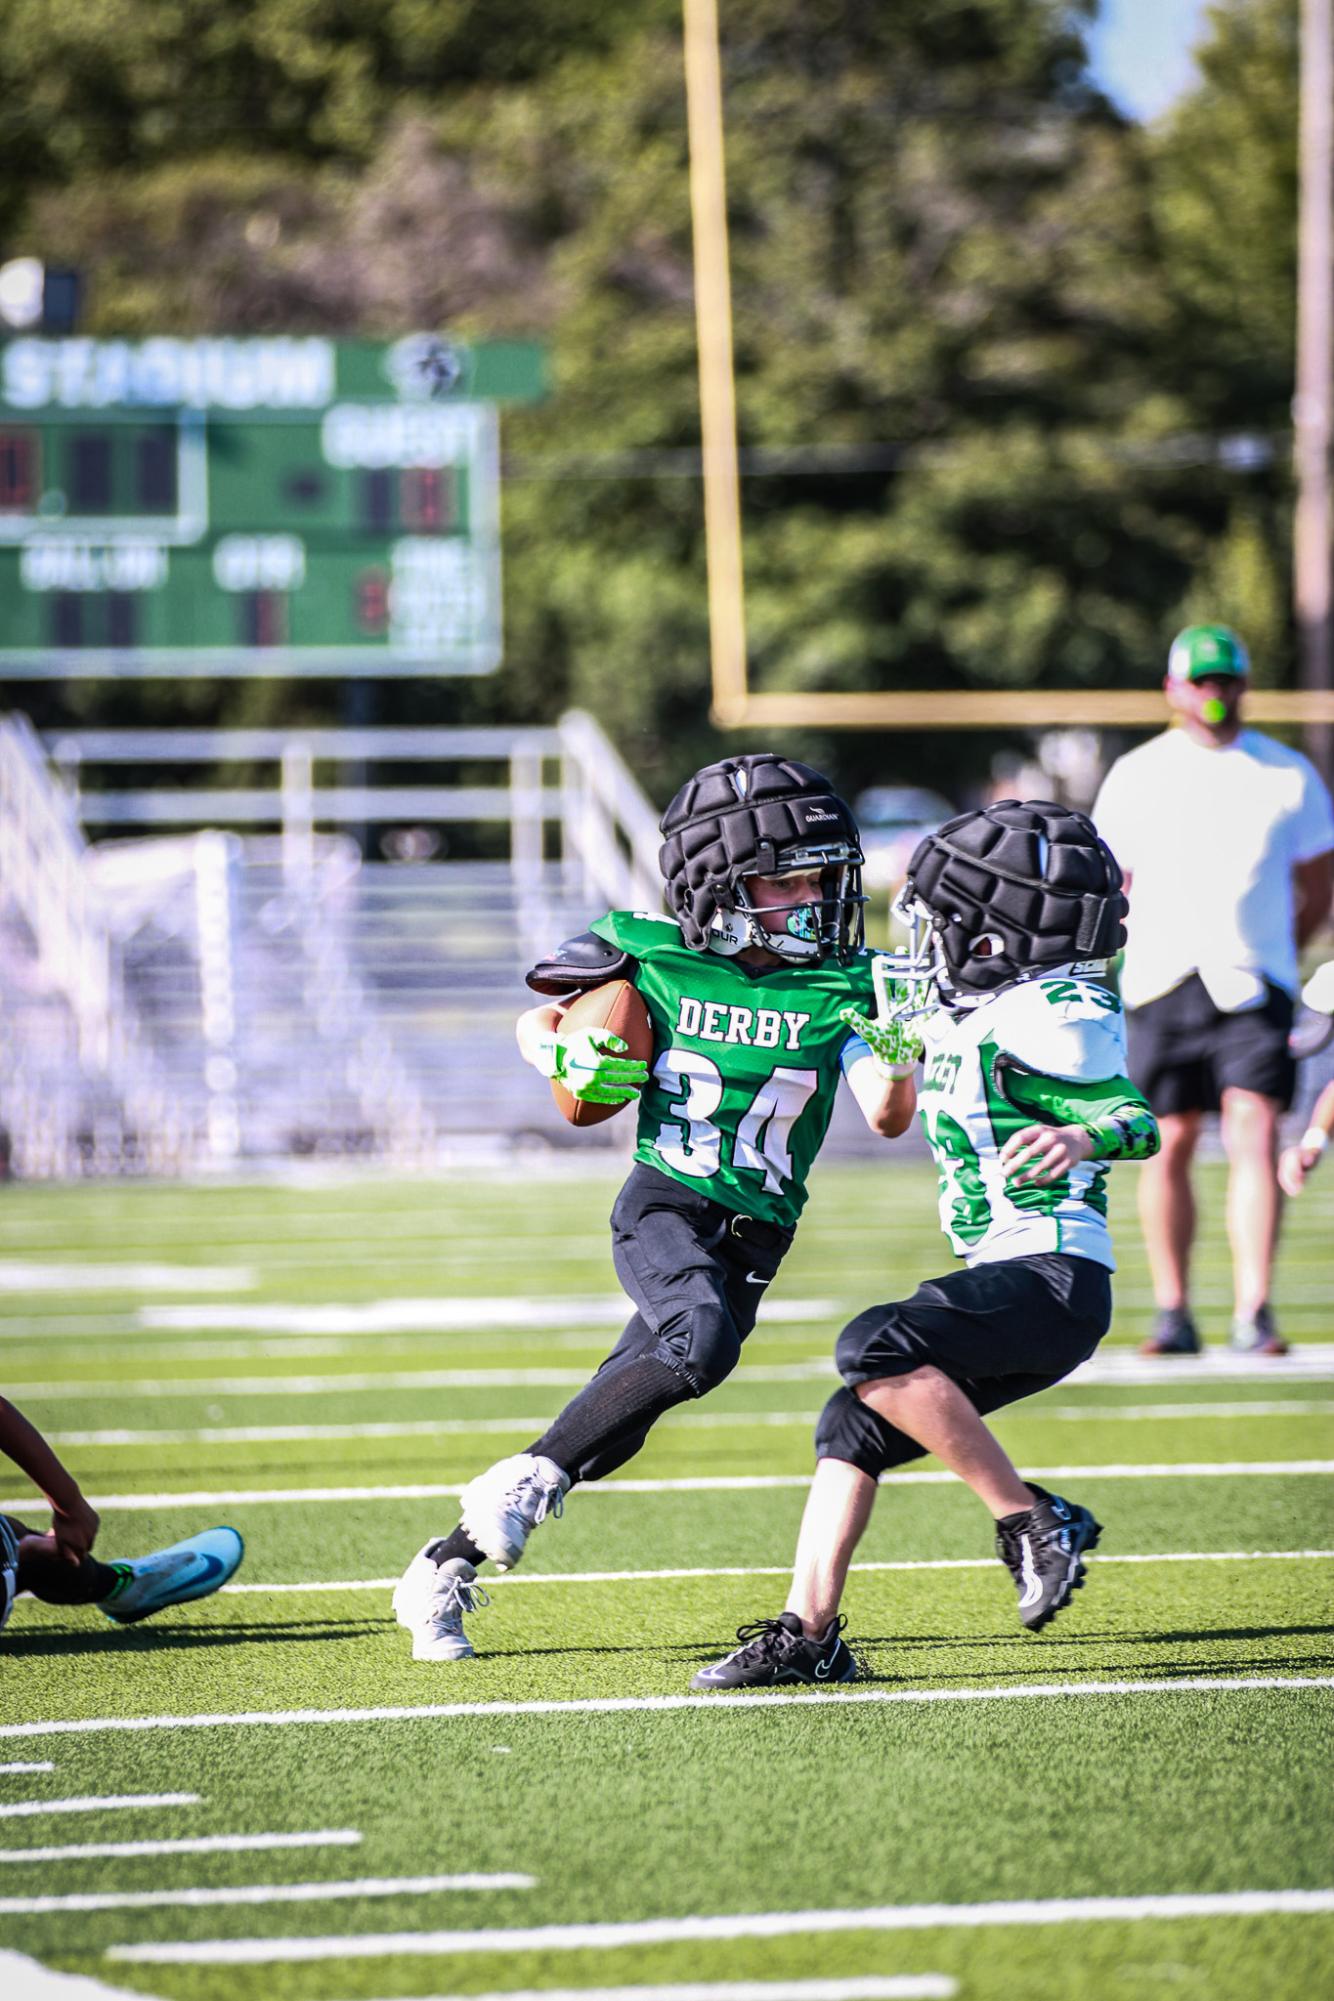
<point x="619" y="1008"/>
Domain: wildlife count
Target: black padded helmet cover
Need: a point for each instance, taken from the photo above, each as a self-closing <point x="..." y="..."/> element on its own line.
<point x="749" y="815"/>
<point x="1030" y="874"/>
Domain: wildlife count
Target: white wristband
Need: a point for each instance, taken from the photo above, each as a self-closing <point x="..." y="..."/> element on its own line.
<point x="1314" y="1140"/>
<point x="899" y="1072"/>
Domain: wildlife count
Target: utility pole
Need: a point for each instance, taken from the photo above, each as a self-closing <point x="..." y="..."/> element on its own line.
<point x="1311" y="411"/>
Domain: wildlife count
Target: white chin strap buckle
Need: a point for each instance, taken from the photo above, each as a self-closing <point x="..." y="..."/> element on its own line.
<point x="733" y="930"/>
<point x="728" y="934"/>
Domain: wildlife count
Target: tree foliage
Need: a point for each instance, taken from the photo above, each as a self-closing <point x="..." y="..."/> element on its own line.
<point x="988" y="334"/>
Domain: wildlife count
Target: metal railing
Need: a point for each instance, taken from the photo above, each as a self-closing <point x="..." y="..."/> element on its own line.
<point x="222" y="993"/>
<point x="42" y="879"/>
<point x="607" y="831"/>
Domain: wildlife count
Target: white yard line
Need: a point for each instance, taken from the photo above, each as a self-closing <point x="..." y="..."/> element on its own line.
<point x="301" y="1434"/>
<point x="294" y="1434"/>
<point x="27" y="1768"/>
<point x="233" y="1497"/>
<point x="108" y="1803"/>
<point x="714" y="1705"/>
<point x="1313" y="1363"/>
<point x="864" y="1987"/>
<point x="761" y="1924"/>
<point x="19" y="1275"/>
<point x="201" y="1844"/>
<point x="89" y="1391"/>
<point x="443" y="1316"/>
<point x="261" y="1893"/>
<point x="216" y="1348"/>
<point x="1095" y="1413"/>
<point x="784" y="1570"/>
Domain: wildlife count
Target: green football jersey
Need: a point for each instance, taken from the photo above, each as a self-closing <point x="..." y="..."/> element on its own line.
<point x="745" y="1068"/>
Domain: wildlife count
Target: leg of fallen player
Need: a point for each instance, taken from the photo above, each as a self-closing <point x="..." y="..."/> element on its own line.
<point x="837" y="1511"/>
<point x="935" y="1411"/>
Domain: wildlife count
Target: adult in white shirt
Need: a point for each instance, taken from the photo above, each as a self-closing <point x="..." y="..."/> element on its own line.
<point x="1227" y="842"/>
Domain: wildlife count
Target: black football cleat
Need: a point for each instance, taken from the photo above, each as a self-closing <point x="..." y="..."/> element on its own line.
<point x="1174" y="1333"/>
<point x="776" y="1650"/>
<point x="1043" y="1549"/>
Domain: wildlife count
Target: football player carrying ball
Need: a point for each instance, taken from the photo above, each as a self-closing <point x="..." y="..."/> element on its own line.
<point x="749" y="986"/>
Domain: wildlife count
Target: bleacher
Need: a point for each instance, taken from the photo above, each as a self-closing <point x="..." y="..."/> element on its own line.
<point x="214" y="997"/>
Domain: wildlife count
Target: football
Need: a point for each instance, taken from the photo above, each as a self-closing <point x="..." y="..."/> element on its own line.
<point x="619" y="1009"/>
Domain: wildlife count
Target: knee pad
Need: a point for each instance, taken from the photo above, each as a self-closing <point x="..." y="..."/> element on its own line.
<point x="849" y="1429"/>
<point x="703" y="1345"/>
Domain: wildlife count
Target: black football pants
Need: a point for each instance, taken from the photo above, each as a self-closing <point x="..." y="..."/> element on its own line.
<point x="697" y="1273"/>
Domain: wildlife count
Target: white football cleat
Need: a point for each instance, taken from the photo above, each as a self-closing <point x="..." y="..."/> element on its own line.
<point x="502" y="1507"/>
<point x="434" y="1609"/>
<point x="414" y="1587"/>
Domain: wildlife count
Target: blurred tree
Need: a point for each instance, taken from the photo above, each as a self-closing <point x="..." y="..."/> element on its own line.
<point x="1224" y="206"/>
<point x="986" y="332"/>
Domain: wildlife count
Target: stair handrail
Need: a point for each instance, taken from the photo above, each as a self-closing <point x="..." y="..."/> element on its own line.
<point x="42" y="873"/>
<point x="609" y="829"/>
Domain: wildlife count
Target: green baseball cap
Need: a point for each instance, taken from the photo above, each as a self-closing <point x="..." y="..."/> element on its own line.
<point x="1201" y="650"/>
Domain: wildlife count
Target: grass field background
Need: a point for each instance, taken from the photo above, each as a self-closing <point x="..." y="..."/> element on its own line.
<point x="319" y="1364"/>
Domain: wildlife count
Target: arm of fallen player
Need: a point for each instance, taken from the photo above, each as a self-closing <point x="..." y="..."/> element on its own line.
<point x="74" y="1523"/>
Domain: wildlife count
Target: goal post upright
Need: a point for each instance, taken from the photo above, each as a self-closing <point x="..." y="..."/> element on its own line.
<point x="733" y="704"/>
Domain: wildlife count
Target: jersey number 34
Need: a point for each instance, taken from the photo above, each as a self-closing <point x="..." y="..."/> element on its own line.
<point x="693" y="1144"/>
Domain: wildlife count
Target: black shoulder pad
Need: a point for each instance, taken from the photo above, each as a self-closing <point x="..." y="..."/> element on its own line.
<point x="578" y="965"/>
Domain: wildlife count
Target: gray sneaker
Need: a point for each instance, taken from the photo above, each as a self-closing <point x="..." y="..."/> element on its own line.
<point x="501" y="1507"/>
<point x="433" y="1607"/>
<point x="1256" y="1334"/>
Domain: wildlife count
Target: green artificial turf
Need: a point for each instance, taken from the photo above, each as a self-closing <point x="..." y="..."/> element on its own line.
<point x="715" y="1809"/>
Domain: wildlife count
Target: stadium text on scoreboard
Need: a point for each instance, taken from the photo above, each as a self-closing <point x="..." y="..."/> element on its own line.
<point x="228" y="507"/>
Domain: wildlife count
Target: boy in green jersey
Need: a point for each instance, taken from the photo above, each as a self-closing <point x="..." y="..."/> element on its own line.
<point x="747" y="986"/>
<point x="1026" y="1104"/>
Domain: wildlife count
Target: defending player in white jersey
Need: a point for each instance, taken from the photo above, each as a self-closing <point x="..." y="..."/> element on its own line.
<point x="1026" y="1104"/>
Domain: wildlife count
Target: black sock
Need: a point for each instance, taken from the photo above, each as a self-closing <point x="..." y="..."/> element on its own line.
<point x="458" y="1544"/>
<point x="56" y="1582"/>
<point x="615" y="1402"/>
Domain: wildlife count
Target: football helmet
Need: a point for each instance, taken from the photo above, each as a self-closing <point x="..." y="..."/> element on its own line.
<point x="1008" y="893"/>
<point x="762" y="815"/>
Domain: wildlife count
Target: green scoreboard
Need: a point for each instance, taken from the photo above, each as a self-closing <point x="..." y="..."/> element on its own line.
<point x="253" y="506"/>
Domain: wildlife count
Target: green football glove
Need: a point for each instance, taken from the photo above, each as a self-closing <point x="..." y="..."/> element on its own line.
<point x="590" y="1065"/>
<point x="894" y="1047"/>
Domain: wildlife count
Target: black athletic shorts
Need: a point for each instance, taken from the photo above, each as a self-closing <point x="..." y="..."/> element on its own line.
<point x="1000" y="1331"/>
<point x="1184" y="1052"/>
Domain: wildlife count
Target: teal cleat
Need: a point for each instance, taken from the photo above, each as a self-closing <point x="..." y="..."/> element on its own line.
<point x="194" y="1568"/>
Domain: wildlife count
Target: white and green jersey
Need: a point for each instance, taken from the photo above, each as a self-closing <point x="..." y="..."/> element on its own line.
<point x="1051" y="1051"/>
<point x="746" y="1064"/>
